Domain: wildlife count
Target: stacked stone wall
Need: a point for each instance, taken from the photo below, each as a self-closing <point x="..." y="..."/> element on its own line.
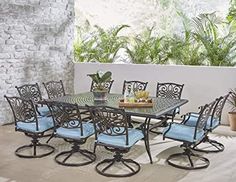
<point x="36" y="42"/>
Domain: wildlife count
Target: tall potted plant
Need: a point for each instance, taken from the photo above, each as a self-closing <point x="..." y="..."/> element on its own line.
<point x="100" y="78"/>
<point x="232" y="113"/>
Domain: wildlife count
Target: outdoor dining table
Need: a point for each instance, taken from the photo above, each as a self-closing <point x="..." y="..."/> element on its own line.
<point x="161" y="106"/>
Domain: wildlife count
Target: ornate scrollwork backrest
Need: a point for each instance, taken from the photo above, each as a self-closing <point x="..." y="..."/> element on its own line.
<point x="107" y="85"/>
<point x="138" y="85"/>
<point x="23" y="110"/>
<point x="110" y="121"/>
<point x="169" y="90"/>
<point x="204" y="115"/>
<point x="54" y="89"/>
<point x="30" y="91"/>
<point x="218" y="108"/>
<point x="65" y="115"/>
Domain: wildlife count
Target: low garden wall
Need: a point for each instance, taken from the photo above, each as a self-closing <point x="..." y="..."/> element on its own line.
<point x="201" y="84"/>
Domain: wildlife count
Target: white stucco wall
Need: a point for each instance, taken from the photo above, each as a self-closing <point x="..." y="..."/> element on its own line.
<point x="202" y="84"/>
<point x="142" y="13"/>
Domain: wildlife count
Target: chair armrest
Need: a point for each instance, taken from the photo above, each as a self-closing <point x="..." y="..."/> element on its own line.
<point x="187" y="116"/>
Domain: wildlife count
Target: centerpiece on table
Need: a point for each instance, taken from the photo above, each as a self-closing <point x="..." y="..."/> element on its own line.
<point x="100" y="78"/>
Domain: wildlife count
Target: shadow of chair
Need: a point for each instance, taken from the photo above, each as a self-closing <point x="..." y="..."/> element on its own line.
<point x="69" y="126"/>
<point x="34" y="126"/>
<point x="190" y="136"/>
<point x="112" y="132"/>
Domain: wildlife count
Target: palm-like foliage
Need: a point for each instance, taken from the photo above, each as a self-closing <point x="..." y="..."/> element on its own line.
<point x="220" y="51"/>
<point x="185" y="51"/>
<point x="146" y="48"/>
<point x="109" y="43"/>
<point x="99" y="45"/>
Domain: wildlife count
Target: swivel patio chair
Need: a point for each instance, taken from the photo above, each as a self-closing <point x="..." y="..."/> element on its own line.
<point x="167" y="90"/>
<point x="69" y="126"/>
<point x="34" y="126"/>
<point x="32" y="92"/>
<point x="138" y="85"/>
<point x="212" y="123"/>
<point x="112" y="132"/>
<point x="190" y="136"/>
<point x="107" y="85"/>
<point x="54" y="89"/>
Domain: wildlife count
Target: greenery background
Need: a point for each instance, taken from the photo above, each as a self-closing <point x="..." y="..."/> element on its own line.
<point x="156" y="32"/>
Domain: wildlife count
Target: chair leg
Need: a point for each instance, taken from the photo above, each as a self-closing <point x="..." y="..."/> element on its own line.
<point x="129" y="164"/>
<point x="62" y="158"/>
<point x="191" y="164"/>
<point x="214" y="146"/>
<point x="35" y="144"/>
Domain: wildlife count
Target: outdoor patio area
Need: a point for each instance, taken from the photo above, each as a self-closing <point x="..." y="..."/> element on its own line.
<point x="117" y="91"/>
<point x="13" y="168"/>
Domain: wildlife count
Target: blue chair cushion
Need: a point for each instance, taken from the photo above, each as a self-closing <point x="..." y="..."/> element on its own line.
<point x="75" y="133"/>
<point x="44" y="123"/>
<point x="192" y="121"/>
<point x="44" y="111"/>
<point x="182" y="132"/>
<point x="134" y="135"/>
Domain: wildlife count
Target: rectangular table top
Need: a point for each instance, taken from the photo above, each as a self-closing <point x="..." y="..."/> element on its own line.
<point x="160" y="105"/>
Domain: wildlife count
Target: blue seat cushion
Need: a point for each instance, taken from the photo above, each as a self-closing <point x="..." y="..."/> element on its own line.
<point x="192" y="121"/>
<point x="75" y="133"/>
<point x="44" y="111"/>
<point x="44" y="123"/>
<point x="134" y="135"/>
<point x="182" y="132"/>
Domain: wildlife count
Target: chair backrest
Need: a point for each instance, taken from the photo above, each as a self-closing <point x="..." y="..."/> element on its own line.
<point x="30" y="91"/>
<point x="54" y="89"/>
<point x="23" y="110"/>
<point x="203" y="117"/>
<point x="218" y="108"/>
<point x="65" y="115"/>
<point x="107" y="85"/>
<point x="169" y="90"/>
<point x="109" y="121"/>
<point x="138" y="85"/>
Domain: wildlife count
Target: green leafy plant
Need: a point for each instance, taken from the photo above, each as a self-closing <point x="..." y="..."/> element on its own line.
<point x="100" y="78"/>
<point x="146" y="48"/>
<point x="98" y="45"/>
<point x="232" y="100"/>
<point x="219" y="51"/>
<point x="109" y="43"/>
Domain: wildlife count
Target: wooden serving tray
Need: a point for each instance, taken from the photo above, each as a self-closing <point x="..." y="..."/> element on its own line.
<point x="149" y="103"/>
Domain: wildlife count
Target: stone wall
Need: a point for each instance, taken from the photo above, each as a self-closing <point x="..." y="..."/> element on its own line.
<point x="35" y="45"/>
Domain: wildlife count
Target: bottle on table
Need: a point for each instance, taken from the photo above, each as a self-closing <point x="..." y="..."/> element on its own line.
<point x="126" y="94"/>
<point x="131" y="94"/>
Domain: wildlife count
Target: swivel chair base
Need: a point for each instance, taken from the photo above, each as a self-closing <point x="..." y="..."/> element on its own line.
<point x="34" y="146"/>
<point x="213" y="146"/>
<point x="190" y="157"/>
<point x="89" y="156"/>
<point x="132" y="166"/>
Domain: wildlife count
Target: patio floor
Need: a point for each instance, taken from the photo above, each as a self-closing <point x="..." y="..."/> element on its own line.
<point x="12" y="168"/>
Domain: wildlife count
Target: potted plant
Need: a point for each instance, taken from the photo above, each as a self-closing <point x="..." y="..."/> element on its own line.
<point x="232" y="114"/>
<point x="100" y="78"/>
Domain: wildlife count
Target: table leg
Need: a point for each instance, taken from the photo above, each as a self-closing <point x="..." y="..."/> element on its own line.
<point x="146" y="137"/>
